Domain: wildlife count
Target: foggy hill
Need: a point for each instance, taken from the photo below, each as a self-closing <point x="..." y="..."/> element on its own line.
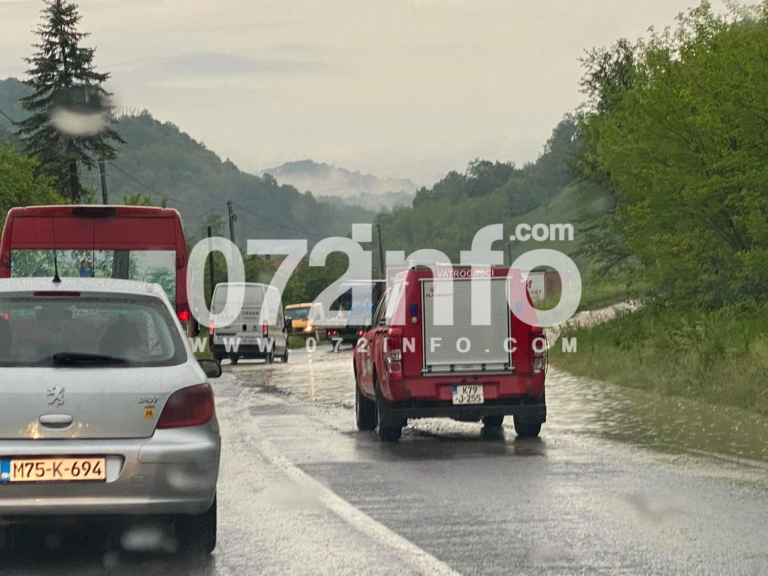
<point x="353" y="187"/>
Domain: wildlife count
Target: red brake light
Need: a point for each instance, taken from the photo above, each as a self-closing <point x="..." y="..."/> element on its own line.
<point x="182" y="311"/>
<point x="191" y="406"/>
<point x="265" y="329"/>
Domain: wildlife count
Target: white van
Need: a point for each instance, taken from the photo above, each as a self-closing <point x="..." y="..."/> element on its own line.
<point x="248" y="336"/>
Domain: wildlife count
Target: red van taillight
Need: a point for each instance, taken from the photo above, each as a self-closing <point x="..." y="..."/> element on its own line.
<point x="183" y="313"/>
<point x="265" y="329"/>
<point x="191" y="406"/>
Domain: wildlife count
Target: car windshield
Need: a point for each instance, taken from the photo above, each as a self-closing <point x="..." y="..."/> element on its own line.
<point x="86" y="331"/>
<point x="297" y="313"/>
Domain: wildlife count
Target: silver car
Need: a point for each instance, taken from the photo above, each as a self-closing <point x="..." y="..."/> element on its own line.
<point x="104" y="409"/>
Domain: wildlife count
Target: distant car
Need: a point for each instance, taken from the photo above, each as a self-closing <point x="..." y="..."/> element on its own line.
<point x="104" y="410"/>
<point x="249" y="335"/>
<point x="306" y="320"/>
<point x="351" y="319"/>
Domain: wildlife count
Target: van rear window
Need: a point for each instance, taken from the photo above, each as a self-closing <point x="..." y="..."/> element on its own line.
<point x="154" y="266"/>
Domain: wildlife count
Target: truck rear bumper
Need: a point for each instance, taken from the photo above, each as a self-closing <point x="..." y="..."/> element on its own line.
<point x="524" y="411"/>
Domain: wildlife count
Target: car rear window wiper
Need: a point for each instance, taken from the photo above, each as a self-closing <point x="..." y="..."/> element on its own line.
<point x="73" y="358"/>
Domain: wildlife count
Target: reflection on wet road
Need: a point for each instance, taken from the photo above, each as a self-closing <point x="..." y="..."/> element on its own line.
<point x="577" y="406"/>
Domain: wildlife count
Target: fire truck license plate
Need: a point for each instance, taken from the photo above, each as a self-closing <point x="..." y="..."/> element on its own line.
<point x="468" y="394"/>
<point x="54" y="470"/>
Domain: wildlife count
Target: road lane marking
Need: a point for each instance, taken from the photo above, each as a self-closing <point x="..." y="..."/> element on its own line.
<point x="406" y="550"/>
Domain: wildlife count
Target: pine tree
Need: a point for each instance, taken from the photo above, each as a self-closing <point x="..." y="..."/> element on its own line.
<point x="62" y="70"/>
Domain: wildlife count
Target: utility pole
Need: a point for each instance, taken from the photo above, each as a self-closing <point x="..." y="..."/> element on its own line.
<point x="381" y="253"/>
<point x="211" y="267"/>
<point x="232" y="220"/>
<point x="103" y="171"/>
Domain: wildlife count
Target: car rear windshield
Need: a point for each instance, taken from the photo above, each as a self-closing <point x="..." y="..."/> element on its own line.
<point x="88" y="331"/>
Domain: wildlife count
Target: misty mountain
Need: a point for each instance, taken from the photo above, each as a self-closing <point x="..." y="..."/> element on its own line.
<point x="352" y="187"/>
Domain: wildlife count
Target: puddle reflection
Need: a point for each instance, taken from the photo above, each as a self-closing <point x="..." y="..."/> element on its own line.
<point x="577" y="406"/>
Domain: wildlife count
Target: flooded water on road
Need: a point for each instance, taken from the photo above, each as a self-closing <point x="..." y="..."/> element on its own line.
<point x="577" y="406"/>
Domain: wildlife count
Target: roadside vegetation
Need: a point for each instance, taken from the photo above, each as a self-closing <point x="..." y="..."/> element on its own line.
<point x="719" y="356"/>
<point x="674" y="131"/>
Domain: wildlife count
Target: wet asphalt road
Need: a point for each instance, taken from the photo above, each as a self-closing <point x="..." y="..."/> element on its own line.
<point x="620" y="483"/>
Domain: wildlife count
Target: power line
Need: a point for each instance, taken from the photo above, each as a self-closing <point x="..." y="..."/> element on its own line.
<point x="126" y="174"/>
<point x="140" y="183"/>
<point x="278" y="225"/>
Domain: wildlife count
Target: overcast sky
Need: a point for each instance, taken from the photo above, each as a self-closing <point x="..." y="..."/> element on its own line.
<point x="405" y="88"/>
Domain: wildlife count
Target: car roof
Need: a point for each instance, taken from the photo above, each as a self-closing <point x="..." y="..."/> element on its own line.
<point x="83" y="285"/>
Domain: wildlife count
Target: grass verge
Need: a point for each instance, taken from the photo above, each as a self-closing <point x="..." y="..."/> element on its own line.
<point x="718" y="357"/>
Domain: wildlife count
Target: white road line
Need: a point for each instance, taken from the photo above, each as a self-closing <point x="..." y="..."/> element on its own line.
<point x="422" y="561"/>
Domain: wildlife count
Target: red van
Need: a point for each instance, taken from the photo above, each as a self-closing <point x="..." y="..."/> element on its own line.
<point x="409" y="365"/>
<point x="127" y="242"/>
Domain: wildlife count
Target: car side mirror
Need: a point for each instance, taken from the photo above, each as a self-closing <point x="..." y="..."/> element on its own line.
<point x="289" y="325"/>
<point x="212" y="368"/>
<point x="195" y="328"/>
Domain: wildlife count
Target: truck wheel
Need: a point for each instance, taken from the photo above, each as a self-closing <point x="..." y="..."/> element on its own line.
<point x="527" y="429"/>
<point x="385" y="430"/>
<point x="197" y="534"/>
<point x="234" y="359"/>
<point x="285" y="356"/>
<point x="493" y="421"/>
<point x="365" y="410"/>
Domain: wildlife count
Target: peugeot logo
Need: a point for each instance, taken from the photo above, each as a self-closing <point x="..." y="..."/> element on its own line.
<point x="55" y="395"/>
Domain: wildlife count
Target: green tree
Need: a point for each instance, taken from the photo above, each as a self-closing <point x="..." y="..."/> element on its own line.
<point x="685" y="151"/>
<point x="21" y="184"/>
<point x="62" y="74"/>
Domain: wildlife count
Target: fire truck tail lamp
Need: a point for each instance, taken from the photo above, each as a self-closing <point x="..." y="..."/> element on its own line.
<point x="393" y="347"/>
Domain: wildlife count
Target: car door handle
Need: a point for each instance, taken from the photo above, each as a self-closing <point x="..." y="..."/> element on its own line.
<point x="56" y="420"/>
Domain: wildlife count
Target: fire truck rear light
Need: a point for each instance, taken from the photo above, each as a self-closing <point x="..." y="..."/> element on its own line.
<point x="360" y="332"/>
<point x="395" y="368"/>
<point x="395" y="355"/>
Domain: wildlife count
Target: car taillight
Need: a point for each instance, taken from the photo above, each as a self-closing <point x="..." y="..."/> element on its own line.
<point x="539" y="347"/>
<point x="191" y="406"/>
<point x="182" y="311"/>
<point x="265" y="329"/>
<point x="394" y="356"/>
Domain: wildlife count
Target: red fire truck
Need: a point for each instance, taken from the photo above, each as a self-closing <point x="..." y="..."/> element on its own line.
<point x="410" y="364"/>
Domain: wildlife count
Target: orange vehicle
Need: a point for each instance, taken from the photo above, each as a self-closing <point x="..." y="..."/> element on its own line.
<point x="408" y="364"/>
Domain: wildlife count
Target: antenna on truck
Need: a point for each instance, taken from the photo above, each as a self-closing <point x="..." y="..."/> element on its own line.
<point x="56" y="278"/>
